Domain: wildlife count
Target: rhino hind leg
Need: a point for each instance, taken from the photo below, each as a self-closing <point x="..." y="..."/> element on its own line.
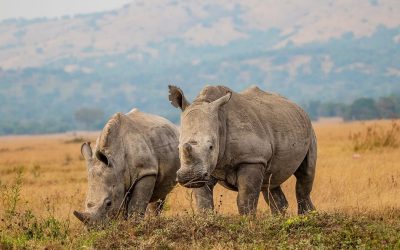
<point x="249" y="182"/>
<point x="305" y="179"/>
<point x="276" y="200"/>
<point x="204" y="196"/>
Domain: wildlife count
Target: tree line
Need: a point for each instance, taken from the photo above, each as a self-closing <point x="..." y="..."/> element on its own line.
<point x="364" y="108"/>
<point x="94" y="118"/>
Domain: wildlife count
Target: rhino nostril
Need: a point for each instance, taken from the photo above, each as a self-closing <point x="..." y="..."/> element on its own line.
<point x="205" y="175"/>
<point x="90" y="205"/>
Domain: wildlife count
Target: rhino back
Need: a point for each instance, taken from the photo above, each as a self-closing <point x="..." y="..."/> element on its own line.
<point x="161" y="136"/>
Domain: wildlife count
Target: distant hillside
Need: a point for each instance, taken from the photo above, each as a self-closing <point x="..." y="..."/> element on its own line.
<point x="116" y="60"/>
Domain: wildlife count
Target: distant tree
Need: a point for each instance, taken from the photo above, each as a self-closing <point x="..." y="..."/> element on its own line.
<point x="362" y="109"/>
<point x="331" y="109"/>
<point x="389" y="107"/>
<point x="89" y="117"/>
<point x="312" y="108"/>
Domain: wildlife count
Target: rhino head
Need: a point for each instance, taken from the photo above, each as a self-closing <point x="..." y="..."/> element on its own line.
<point x="200" y="137"/>
<point x="105" y="188"/>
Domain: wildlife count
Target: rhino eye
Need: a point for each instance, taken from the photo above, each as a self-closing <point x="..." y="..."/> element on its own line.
<point x="90" y="204"/>
<point x="211" y="147"/>
<point x="108" y="203"/>
<point x="193" y="142"/>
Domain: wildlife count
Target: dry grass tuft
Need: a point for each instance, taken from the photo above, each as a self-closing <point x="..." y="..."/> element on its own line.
<point x="78" y="140"/>
<point x="212" y="231"/>
<point x="375" y="137"/>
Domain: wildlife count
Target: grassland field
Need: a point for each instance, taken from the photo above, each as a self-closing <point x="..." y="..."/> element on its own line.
<point x="354" y="188"/>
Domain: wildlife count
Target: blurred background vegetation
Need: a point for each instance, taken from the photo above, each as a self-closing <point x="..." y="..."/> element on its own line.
<point x="74" y="72"/>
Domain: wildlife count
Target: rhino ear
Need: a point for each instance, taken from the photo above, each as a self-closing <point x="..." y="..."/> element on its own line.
<point x="86" y="151"/>
<point x="222" y="100"/>
<point x="102" y="157"/>
<point x="177" y="98"/>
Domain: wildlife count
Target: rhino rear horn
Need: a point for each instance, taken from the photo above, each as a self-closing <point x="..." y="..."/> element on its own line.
<point x="222" y="100"/>
<point x="84" y="217"/>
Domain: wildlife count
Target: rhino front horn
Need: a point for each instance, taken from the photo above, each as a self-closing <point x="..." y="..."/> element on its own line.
<point x="84" y="217"/>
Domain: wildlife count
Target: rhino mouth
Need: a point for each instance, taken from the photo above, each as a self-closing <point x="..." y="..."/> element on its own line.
<point x="90" y="222"/>
<point x="190" y="178"/>
<point x="195" y="183"/>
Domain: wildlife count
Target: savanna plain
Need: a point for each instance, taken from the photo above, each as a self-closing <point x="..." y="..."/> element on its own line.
<point x="356" y="193"/>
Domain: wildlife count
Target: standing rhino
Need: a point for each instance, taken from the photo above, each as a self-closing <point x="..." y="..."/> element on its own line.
<point x="134" y="163"/>
<point x="249" y="142"/>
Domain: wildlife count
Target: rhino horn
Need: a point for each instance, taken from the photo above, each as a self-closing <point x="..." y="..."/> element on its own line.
<point x="84" y="217"/>
<point x="222" y="100"/>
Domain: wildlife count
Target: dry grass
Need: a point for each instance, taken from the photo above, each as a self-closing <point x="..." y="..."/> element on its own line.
<point x="375" y="137"/>
<point x="346" y="182"/>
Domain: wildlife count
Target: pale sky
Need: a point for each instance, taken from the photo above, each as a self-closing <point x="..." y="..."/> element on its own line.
<point x="54" y="8"/>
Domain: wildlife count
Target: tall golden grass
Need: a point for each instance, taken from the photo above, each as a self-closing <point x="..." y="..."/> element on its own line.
<point x="346" y="181"/>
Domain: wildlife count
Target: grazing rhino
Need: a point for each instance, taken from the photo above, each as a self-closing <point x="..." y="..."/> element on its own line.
<point x="134" y="164"/>
<point x="249" y="142"/>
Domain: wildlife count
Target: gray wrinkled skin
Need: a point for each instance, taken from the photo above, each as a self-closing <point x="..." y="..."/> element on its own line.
<point x="250" y="142"/>
<point x="136" y="152"/>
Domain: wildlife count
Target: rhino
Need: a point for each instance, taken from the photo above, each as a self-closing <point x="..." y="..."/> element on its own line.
<point x="134" y="163"/>
<point x="249" y="142"/>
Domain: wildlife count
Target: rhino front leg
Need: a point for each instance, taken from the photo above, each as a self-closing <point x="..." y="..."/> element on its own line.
<point x="249" y="181"/>
<point x="141" y="196"/>
<point x="204" y="196"/>
<point x="276" y="200"/>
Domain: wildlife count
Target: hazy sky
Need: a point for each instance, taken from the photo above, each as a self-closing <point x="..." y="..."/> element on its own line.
<point x="54" y="8"/>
